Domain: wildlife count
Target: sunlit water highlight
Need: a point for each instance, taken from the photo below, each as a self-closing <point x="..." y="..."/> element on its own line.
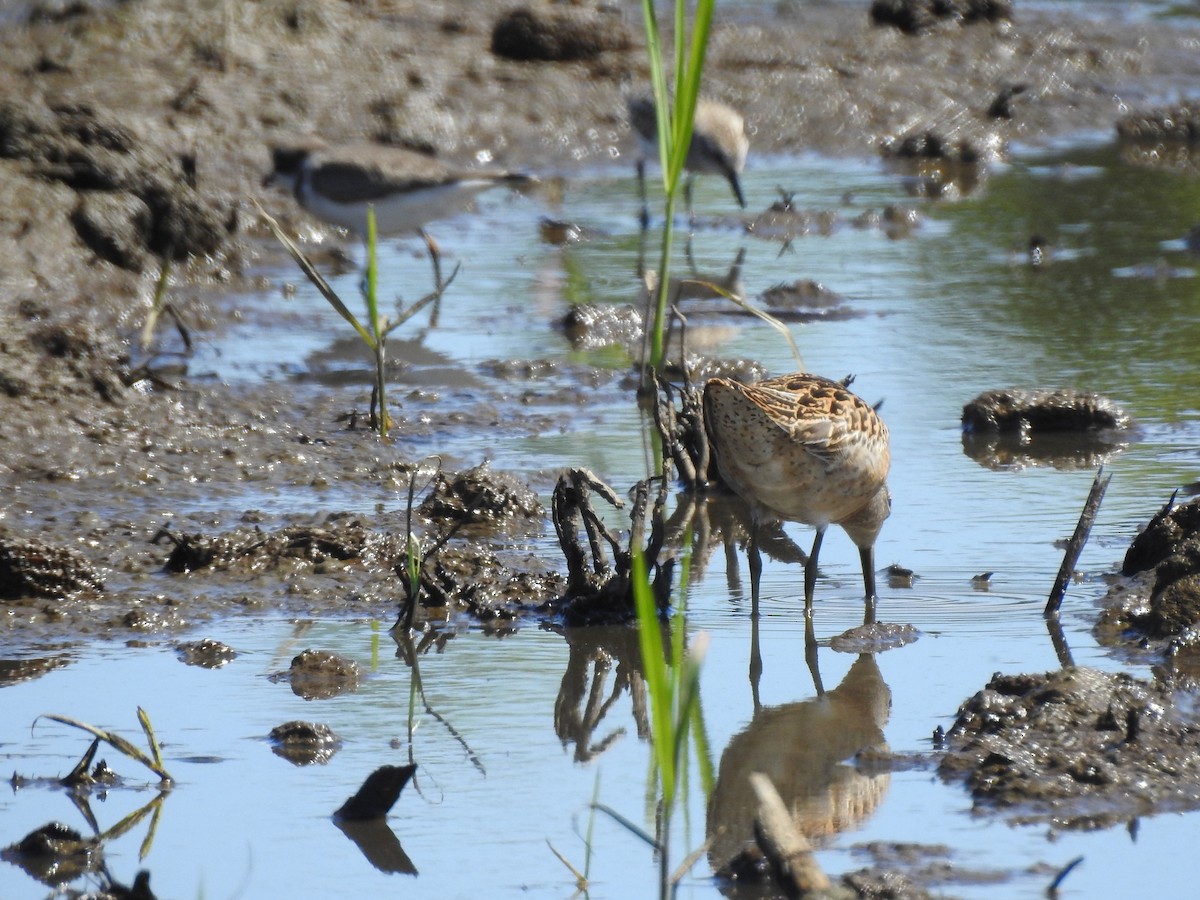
<point x="944" y="314"/>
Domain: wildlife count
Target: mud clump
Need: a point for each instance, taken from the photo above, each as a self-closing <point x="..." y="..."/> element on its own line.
<point x="481" y="496"/>
<point x="1159" y="603"/>
<point x="1027" y="411"/>
<point x="1066" y="428"/>
<point x="32" y="568"/>
<point x="321" y="674"/>
<point x="558" y="34"/>
<point x="473" y="578"/>
<point x="917" y="16"/>
<point x="304" y="547"/>
<point x="207" y="654"/>
<point x="1179" y="124"/>
<point x="304" y="743"/>
<point x="1078" y="747"/>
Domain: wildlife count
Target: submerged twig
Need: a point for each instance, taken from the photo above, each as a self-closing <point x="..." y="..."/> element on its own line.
<point x="1078" y="539"/>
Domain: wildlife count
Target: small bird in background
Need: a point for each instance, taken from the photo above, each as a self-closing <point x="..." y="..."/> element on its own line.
<point x="805" y="449"/>
<point x="407" y="189"/>
<point x="719" y="146"/>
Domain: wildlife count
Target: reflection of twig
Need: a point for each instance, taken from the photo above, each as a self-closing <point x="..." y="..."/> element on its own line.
<point x="581" y="881"/>
<point x="1052" y="891"/>
<point x="1059" y="641"/>
<point x="418" y="690"/>
<point x="1078" y="539"/>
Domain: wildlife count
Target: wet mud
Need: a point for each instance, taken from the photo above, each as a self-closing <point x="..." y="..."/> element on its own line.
<point x="157" y="152"/>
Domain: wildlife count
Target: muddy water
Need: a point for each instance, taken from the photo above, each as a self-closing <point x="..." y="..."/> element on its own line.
<point x="933" y="319"/>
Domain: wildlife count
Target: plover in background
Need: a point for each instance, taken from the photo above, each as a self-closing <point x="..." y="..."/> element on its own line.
<point x="803" y="448"/>
<point x="407" y="189"/>
<point x="719" y="146"/>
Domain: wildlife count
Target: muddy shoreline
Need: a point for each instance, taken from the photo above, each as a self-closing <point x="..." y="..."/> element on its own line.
<point x="140" y="131"/>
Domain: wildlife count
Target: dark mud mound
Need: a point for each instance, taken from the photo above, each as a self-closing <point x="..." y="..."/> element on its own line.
<point x="1157" y="605"/>
<point x="1076" y="748"/>
<point x="1068" y="429"/>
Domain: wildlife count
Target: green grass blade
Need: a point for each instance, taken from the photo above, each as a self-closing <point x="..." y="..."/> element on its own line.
<point x="119" y="743"/>
<point x="315" y="277"/>
<point x="148" y="730"/>
<point x="658" y="684"/>
<point x="658" y="82"/>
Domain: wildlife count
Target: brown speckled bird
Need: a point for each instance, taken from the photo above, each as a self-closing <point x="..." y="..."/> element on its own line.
<point x="803" y="448"/>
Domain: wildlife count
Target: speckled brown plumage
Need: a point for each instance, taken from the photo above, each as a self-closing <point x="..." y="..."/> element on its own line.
<point x="803" y="448"/>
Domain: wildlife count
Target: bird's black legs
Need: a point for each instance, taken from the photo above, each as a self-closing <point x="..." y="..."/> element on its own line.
<point x="687" y="197"/>
<point x="810" y="571"/>
<point x="867" y="555"/>
<point x="810" y="655"/>
<point x="641" y="176"/>
<point x="756" y="664"/>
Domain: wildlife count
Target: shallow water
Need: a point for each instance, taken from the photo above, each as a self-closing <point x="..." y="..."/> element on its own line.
<point x="939" y="316"/>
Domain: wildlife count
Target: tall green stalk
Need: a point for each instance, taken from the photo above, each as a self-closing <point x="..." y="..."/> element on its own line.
<point x="676" y="720"/>
<point x="674" y="131"/>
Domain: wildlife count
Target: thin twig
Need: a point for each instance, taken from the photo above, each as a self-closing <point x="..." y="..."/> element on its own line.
<point x="1078" y="539"/>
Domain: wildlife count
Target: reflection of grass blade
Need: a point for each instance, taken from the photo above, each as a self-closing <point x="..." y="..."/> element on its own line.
<point x="581" y="882"/>
<point x="152" y="830"/>
<point x="626" y="823"/>
<point x="118" y="742"/>
<point x="315" y="277"/>
<point x="659" y="683"/>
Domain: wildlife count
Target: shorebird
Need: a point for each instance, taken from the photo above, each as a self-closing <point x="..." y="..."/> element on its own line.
<point x="803" y="448"/>
<point x="719" y="146"/>
<point x="407" y="189"/>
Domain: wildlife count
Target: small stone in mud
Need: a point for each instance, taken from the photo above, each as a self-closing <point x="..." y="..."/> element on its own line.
<point x="208" y="654"/>
<point x="480" y="495"/>
<point x="304" y="743"/>
<point x="1028" y="411"/>
<point x="320" y="674"/>
<point x="32" y="568"/>
<point x="558" y="34"/>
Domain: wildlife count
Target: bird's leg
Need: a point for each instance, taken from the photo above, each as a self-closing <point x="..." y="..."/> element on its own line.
<point x="756" y="664"/>
<point x="810" y="571"/>
<point x="641" y="176"/>
<point x="810" y="656"/>
<point x="687" y="198"/>
<point x="867" y="555"/>
<point x="755" y="559"/>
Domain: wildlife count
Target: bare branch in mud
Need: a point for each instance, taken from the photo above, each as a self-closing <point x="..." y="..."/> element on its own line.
<point x="1078" y="539"/>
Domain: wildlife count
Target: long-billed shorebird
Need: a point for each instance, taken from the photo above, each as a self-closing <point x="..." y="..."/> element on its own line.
<point x="803" y="448"/>
<point x="407" y="189"/>
<point x="719" y="146"/>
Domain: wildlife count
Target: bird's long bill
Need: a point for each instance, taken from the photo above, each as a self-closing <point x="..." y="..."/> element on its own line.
<point x="736" y="184"/>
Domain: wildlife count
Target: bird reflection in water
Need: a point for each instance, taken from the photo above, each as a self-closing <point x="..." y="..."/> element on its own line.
<point x="806" y="748"/>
